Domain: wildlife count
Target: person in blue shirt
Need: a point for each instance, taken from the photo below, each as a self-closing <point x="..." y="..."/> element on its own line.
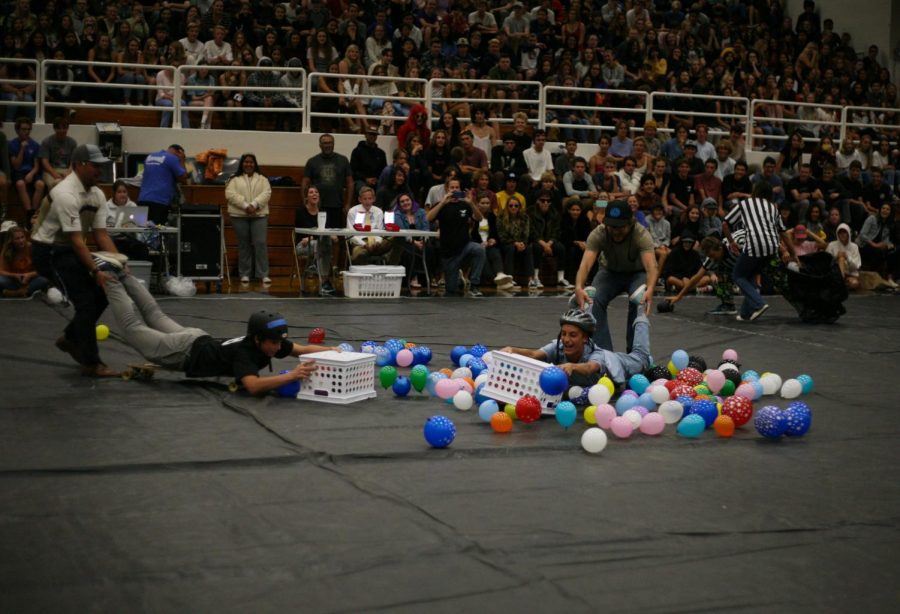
<point x="163" y="171"/>
<point x="26" y="172"/>
<point x="585" y="363"/>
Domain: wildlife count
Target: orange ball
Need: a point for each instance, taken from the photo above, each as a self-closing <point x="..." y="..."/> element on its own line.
<point x="470" y="381"/>
<point x="410" y="345"/>
<point x="446" y="372"/>
<point x="501" y="422"/>
<point x="724" y="426"/>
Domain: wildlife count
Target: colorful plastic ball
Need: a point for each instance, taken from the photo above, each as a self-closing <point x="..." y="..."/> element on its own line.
<point x="682" y="390"/>
<point x="425" y="352"/>
<point x="745" y="390"/>
<point x="590" y="416"/>
<point x="401" y="386"/>
<point x="739" y="409"/>
<point x="758" y="388"/>
<point x="706" y="410"/>
<point x="553" y="380"/>
<point x="316" y="336"/>
<point x="686" y="403"/>
<point x="382" y="356"/>
<point x="728" y="366"/>
<point x="791" y="389"/>
<point x="799" y="419"/>
<point x="367" y="349"/>
<point x="461" y="372"/>
<point x="727" y="388"/>
<point x="404" y="358"/>
<point x="671" y="411"/>
<point x="624" y="403"/>
<point x="487" y="409"/>
<point x="394" y="346"/>
<point x="102" y="332"/>
<point x="288" y="390"/>
<point x="462" y="400"/>
<point x="446" y="388"/>
<point x="690" y="376"/>
<point x="724" y="426"/>
<point x="633" y="416"/>
<point x="749" y="374"/>
<point x="658" y="372"/>
<point x="730" y="355"/>
<point x="464" y="359"/>
<point x="715" y="379"/>
<point x="575" y="392"/>
<point x="621" y="427"/>
<point x="457" y="353"/>
<point x="501" y="422"/>
<point x="479" y="395"/>
<point x="697" y="362"/>
<point x="645" y="400"/>
<point x="652" y="424"/>
<point x="510" y="411"/>
<point x="638" y="383"/>
<point x="599" y="394"/>
<point x="566" y="413"/>
<point x="680" y="359"/>
<point x="806" y="382"/>
<point x="642" y="410"/>
<point x="594" y="441"/>
<point x="345" y="347"/>
<point x="528" y="409"/>
<point x="439" y="431"/>
<point x="770" y="422"/>
<point x="659" y="394"/>
<point x="691" y="426"/>
<point x="673" y="370"/>
<point x="629" y="393"/>
<point x="478" y="350"/>
<point x="481" y="378"/>
<point x="418" y="377"/>
<point x="387" y="375"/>
<point x="608" y="384"/>
<point x="771" y="383"/>
<point x="604" y="415"/>
<point x="477" y="367"/>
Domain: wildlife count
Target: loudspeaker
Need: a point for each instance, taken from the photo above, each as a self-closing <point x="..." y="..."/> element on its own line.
<point x="201" y="246"/>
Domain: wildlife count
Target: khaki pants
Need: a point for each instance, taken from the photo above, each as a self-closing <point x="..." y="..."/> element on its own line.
<point x="50" y="182"/>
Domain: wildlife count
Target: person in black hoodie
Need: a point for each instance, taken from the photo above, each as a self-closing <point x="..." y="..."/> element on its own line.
<point x="545" y="237"/>
<point x="682" y="264"/>
<point x="574" y="228"/>
<point x="506" y="159"/>
<point x="367" y="161"/>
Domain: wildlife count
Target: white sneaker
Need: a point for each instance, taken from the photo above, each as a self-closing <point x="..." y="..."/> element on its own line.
<point x="267" y="281"/>
<point x="534" y="282"/>
<point x="638" y="295"/>
<point x="502" y="279"/>
<point x="245" y="280"/>
<point x="565" y="283"/>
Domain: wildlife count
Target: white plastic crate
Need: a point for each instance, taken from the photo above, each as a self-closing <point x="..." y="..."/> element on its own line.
<point x="373" y="281"/>
<point x="340" y="377"/>
<point x="511" y="377"/>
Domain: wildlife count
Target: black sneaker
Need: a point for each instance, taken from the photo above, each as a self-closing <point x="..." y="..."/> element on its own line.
<point x="327" y="289"/>
<point x="475" y="292"/>
<point x="724" y="309"/>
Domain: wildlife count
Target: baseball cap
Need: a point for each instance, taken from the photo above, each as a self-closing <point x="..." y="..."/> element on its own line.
<point x="710" y="203"/>
<point x="618" y="213"/>
<point x="650" y="123"/>
<point x="89" y="153"/>
<point x="688" y="237"/>
<point x="371" y="129"/>
<point x="690" y="144"/>
<point x="800" y="231"/>
<point x="511" y="176"/>
<point x="462" y="42"/>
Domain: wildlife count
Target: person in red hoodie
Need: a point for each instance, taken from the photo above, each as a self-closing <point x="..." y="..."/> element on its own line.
<point x="416" y="123"/>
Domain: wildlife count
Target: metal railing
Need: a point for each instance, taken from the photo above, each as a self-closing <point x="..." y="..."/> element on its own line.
<point x="547" y="92"/>
<point x="711" y="118"/>
<point x="37" y="96"/>
<point x="846" y="124"/>
<point x="789" y="124"/>
<point x="486" y="85"/>
<point x="313" y="94"/>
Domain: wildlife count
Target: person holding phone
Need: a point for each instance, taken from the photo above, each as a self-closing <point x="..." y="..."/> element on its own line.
<point x="453" y="214"/>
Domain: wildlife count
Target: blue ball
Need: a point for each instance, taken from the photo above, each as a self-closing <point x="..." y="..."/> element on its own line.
<point x="382" y="356"/>
<point x="477" y="366"/>
<point x="680" y="359"/>
<point x="457" y="353"/>
<point x="647" y="401"/>
<point x="439" y="431"/>
<point x="479" y="396"/>
<point x="366" y="344"/>
<point x="464" y="359"/>
<point x="749" y="375"/>
<point x="706" y="410"/>
<point x="486" y="409"/>
<point x="478" y="350"/>
<point x="426" y="353"/>
<point x="770" y="422"/>
<point x="581" y="399"/>
<point x="691" y="426"/>
<point x="346" y="347"/>
<point x="566" y="414"/>
<point x="799" y="419"/>
<point x="553" y="381"/>
<point x="289" y="390"/>
<point x="686" y="403"/>
<point x="806" y="382"/>
<point x="401" y="386"/>
<point x="625" y="403"/>
<point x="638" y="383"/>
<point x="393" y="346"/>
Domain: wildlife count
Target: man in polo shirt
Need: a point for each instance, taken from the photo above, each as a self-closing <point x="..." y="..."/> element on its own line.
<point x="629" y="266"/>
<point x="163" y="171"/>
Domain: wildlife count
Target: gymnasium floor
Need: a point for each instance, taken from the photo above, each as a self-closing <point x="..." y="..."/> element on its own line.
<point x="177" y="496"/>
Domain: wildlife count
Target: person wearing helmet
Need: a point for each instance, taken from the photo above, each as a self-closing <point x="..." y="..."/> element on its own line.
<point x="164" y="342"/>
<point x="585" y="363"/>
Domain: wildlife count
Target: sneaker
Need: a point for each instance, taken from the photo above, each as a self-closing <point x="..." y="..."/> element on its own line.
<point x="638" y="295"/>
<point x="109" y="262"/>
<point x="741" y="318"/>
<point x="414" y="283"/>
<point x="475" y="292"/>
<point x="758" y="312"/>
<point x="508" y="287"/>
<point x="245" y="279"/>
<point x="535" y="282"/>
<point x="327" y="289"/>
<point x="502" y="279"/>
<point x="724" y="309"/>
<point x="267" y="281"/>
<point x="565" y="283"/>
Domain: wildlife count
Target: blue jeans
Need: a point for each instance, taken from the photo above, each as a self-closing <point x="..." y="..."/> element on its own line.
<point x="166" y="119"/>
<point x="745" y="269"/>
<point x="13" y="111"/>
<point x="470" y="251"/>
<point x="11" y="283"/>
<point x="609" y="285"/>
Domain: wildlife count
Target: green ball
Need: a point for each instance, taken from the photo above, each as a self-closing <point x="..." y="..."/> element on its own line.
<point x="727" y="388"/>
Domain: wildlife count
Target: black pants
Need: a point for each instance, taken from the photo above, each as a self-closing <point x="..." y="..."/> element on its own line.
<point x="89" y="300"/>
<point x="156" y="213"/>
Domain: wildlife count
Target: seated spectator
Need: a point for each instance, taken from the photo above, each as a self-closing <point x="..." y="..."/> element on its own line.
<point x="381" y="90"/>
<point x="651" y="139"/>
<point x="510" y="191"/>
<point x="786" y="213"/>
<point x="247" y="194"/>
<point x="545" y="240"/>
<point x="694" y="163"/>
<point x="566" y="160"/>
<point x="551" y="186"/>
<point x="877" y="192"/>
<point x="352" y="87"/>
<point x="537" y="158"/>
<point x="486" y="233"/>
<point x="725" y="163"/>
<point x="513" y="226"/>
<point x="409" y="215"/>
<point x="235" y="81"/>
<point x="127" y="243"/>
<point x="832" y="192"/>
<point x="803" y="191"/>
<point x="822" y="156"/>
<point x="26" y="176"/>
<point x="661" y="233"/>
<point x="629" y="177"/>
<point x="578" y="183"/>
<point x="597" y="163"/>
<point x="481" y="187"/>
<point x="710" y="223"/>
<point x="705" y="149"/>
<point x="803" y="242"/>
<point x="647" y="196"/>
<point x="643" y="160"/>
<point x="769" y="176"/>
<point x="574" y="228"/>
<point x="17" y="275"/>
<point x="673" y="149"/>
<point x="707" y="184"/>
<point x="264" y="99"/>
<point x="483" y="134"/>
<point x="437" y="157"/>
<point x="682" y="264"/>
<point x="56" y="152"/>
<point x="621" y="145"/>
<point x="130" y="75"/>
<point x="680" y="193"/>
<point x="367" y="214"/>
<point x="687" y="222"/>
<point x="453" y="213"/>
<point x="396" y="185"/>
<point x="416" y="122"/>
<point x="505" y="159"/>
<point x="101" y="74"/>
<point x="165" y="96"/>
<point x="218" y="51"/>
<point x="473" y="159"/>
<point x="847" y="154"/>
<point x="295" y="81"/>
<point x="887" y="159"/>
<point x="199" y="94"/>
<point x="853" y="207"/>
<point x="608" y="184"/>
<point x="846" y="253"/>
<point x="791" y="157"/>
<point x="878" y="253"/>
<point x="307" y="216"/>
<point x="17" y="92"/>
<point x="814" y="220"/>
<point x="639" y="217"/>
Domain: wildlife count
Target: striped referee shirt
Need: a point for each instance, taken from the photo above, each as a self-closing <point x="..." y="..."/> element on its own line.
<point x="761" y="223"/>
<point x="728" y="259"/>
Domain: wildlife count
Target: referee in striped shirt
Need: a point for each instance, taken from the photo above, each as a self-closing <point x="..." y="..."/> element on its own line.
<point x="763" y="230"/>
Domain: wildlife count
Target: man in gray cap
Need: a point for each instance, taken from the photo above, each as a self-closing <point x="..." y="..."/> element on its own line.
<point x="78" y="206"/>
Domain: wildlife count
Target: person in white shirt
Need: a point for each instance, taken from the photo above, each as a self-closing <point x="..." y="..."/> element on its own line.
<point x="217" y="52"/>
<point x="846" y="252"/>
<point x="705" y="149"/>
<point x="366" y="214"/>
<point x="629" y="177"/>
<point x="193" y="47"/>
<point x="482" y="20"/>
<point x="537" y="158"/>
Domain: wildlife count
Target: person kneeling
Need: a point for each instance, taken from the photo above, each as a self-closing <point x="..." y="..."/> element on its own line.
<point x="585" y="363"/>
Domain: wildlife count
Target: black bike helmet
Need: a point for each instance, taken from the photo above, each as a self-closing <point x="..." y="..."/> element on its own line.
<point x="582" y="319"/>
<point x="267" y="325"/>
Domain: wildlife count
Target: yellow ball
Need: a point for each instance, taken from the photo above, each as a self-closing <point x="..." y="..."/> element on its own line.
<point x="605" y="381"/>
<point x="672" y="369"/>
<point x="510" y="410"/>
<point x="102" y="332"/>
<point x="589" y="416"/>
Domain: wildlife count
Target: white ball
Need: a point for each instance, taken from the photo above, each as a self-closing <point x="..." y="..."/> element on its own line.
<point x="461" y="372"/>
<point x="54" y="296"/>
<point x="462" y="400"/>
<point x="481" y="379"/>
<point x="634" y="417"/>
<point x="659" y="394"/>
<point x="725" y="366"/>
<point x="598" y="395"/>
<point x="488" y="358"/>
<point x="771" y="383"/>
<point x="791" y="389"/>
<point x="594" y="440"/>
<point x="575" y="392"/>
<point x="671" y="411"/>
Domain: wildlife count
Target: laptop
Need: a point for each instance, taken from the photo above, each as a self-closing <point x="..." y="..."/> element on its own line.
<point x="131" y="217"/>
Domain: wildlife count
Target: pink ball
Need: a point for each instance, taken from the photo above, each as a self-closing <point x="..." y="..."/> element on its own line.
<point x="621" y="427"/>
<point x="604" y="415"/>
<point x="652" y="424"/>
<point x="464" y="385"/>
<point x="745" y="390"/>
<point x="446" y="388"/>
<point x="730" y="355"/>
<point x="404" y="358"/>
<point x="715" y="379"/>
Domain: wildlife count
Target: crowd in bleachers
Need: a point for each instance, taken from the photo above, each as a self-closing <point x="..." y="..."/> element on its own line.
<point x="691" y="167"/>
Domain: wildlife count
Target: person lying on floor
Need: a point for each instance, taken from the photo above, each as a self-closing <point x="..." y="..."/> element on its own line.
<point x="164" y="342"/>
<point x="585" y="363"/>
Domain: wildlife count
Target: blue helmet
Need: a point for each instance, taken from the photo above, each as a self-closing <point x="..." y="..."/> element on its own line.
<point x="267" y="325"/>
